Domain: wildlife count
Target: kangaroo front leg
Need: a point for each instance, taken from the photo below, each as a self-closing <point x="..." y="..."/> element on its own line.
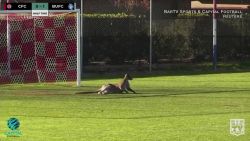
<point x="129" y="89"/>
<point x="125" y="91"/>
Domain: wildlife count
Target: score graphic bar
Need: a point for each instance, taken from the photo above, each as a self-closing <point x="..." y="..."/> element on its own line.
<point x="39" y="6"/>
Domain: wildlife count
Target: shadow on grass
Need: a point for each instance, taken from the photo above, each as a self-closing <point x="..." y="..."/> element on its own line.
<point x="89" y="77"/>
<point x="177" y="69"/>
<point x="140" y="117"/>
<point x="148" y="95"/>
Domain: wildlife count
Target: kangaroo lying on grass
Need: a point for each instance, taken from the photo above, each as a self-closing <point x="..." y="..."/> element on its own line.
<point x="121" y="87"/>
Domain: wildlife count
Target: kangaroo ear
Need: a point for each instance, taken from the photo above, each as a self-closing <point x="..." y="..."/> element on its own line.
<point x="128" y="76"/>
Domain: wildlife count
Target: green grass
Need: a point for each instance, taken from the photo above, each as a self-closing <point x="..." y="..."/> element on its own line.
<point x="194" y="107"/>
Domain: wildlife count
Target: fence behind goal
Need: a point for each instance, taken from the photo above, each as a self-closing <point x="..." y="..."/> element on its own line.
<point x="38" y="49"/>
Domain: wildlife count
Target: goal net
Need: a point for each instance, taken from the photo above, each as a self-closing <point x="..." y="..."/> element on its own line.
<point x="38" y="49"/>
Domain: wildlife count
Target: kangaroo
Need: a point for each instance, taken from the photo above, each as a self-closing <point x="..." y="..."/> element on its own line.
<point x="121" y="87"/>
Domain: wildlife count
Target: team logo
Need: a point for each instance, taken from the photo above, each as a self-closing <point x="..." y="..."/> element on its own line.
<point x="13" y="124"/>
<point x="237" y="127"/>
<point x="9" y="6"/>
<point x="71" y="6"/>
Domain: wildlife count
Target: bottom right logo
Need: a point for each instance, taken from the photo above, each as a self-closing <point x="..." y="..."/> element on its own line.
<point x="237" y="127"/>
<point x="13" y="124"/>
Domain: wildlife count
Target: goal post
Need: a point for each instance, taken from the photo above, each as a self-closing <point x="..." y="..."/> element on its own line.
<point x="40" y="49"/>
<point x="79" y="51"/>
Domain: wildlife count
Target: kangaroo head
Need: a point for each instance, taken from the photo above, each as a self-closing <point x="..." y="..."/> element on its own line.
<point x="128" y="77"/>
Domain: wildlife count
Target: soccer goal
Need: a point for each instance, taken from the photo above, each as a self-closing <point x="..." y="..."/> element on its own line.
<point x="40" y="49"/>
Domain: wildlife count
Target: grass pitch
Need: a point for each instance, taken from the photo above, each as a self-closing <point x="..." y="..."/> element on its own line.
<point x="194" y="107"/>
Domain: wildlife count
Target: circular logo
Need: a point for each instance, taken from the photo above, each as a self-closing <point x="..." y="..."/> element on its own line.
<point x="71" y="6"/>
<point x="9" y="6"/>
<point x="13" y="123"/>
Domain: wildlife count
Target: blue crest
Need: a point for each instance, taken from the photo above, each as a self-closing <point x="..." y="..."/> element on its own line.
<point x="13" y="123"/>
